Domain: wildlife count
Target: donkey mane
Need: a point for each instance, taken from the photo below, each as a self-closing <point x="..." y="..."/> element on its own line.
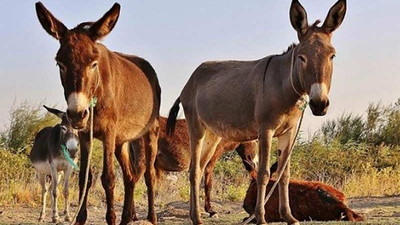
<point x="292" y="46"/>
<point x="57" y="134"/>
<point x="315" y="24"/>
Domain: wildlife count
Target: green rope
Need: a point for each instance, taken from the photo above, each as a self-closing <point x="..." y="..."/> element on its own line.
<point x="93" y="102"/>
<point x="66" y="155"/>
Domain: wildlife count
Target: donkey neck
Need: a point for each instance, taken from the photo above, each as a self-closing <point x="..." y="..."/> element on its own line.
<point x="54" y="142"/>
<point x="291" y="83"/>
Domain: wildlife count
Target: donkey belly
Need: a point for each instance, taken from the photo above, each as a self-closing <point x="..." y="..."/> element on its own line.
<point x="42" y="167"/>
<point x="222" y="94"/>
<point x="233" y="133"/>
<point x="230" y="116"/>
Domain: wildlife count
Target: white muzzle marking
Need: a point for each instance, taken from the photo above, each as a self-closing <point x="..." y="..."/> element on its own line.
<point x="77" y="102"/>
<point x="319" y="91"/>
<point x="72" y="144"/>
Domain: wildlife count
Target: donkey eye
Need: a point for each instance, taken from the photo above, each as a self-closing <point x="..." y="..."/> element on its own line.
<point x="64" y="129"/>
<point x="302" y="58"/>
<point x="333" y="56"/>
<point x="94" y="65"/>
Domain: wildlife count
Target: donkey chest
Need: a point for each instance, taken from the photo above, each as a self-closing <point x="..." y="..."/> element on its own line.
<point x="129" y="121"/>
<point x="286" y="123"/>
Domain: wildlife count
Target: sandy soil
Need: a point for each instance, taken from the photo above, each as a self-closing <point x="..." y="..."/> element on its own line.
<point x="377" y="210"/>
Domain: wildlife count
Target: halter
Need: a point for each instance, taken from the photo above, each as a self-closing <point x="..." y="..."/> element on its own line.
<point x="303" y="101"/>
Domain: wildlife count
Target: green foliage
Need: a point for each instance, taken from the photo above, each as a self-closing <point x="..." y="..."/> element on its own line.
<point x="382" y="126"/>
<point x="347" y="128"/>
<point x="184" y="192"/>
<point x="229" y="166"/>
<point x="237" y="192"/>
<point x="25" y="121"/>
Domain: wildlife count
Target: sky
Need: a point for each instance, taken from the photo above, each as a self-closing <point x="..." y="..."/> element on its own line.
<point x="176" y="36"/>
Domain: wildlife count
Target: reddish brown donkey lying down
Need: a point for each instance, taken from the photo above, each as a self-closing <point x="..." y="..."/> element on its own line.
<point x="308" y="201"/>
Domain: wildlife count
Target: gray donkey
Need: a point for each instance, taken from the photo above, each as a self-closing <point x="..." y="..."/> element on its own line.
<point x="49" y="160"/>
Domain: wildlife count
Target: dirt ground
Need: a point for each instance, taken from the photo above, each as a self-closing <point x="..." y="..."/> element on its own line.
<point x="377" y="210"/>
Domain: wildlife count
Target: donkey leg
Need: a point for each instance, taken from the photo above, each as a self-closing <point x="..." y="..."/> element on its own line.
<point x="208" y="179"/>
<point x="265" y="141"/>
<point x="138" y="162"/>
<point x="108" y="175"/>
<point x="151" y="144"/>
<point x="196" y="134"/>
<point x="54" y="194"/>
<point x="248" y="152"/>
<point x="42" y="181"/>
<point x="122" y="155"/>
<point x="284" y="143"/>
<point x="67" y="175"/>
<point x="84" y="143"/>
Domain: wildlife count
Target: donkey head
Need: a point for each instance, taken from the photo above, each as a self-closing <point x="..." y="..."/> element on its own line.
<point x="315" y="54"/>
<point x="68" y="135"/>
<point x="79" y="59"/>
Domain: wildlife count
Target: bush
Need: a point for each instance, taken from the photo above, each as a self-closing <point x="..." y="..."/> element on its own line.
<point x="15" y="172"/>
<point x="25" y="121"/>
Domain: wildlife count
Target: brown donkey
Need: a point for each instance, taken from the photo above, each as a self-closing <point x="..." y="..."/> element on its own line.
<point x="309" y="200"/>
<point x="174" y="156"/>
<point x="247" y="100"/>
<point x="128" y="104"/>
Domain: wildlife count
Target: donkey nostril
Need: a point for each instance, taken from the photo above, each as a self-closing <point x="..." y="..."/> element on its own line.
<point x="327" y="103"/>
<point x="84" y="114"/>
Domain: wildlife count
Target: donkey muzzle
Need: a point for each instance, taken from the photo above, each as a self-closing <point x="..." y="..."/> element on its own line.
<point x="319" y="107"/>
<point x="78" y="119"/>
<point x="72" y="153"/>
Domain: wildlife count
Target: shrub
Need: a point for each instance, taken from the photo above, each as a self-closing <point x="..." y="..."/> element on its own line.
<point x="25" y="121"/>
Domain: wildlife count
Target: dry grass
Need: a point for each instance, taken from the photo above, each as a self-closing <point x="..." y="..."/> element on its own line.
<point x="20" y="187"/>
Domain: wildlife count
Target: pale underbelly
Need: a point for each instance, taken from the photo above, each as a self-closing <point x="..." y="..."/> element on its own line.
<point x="44" y="167"/>
<point x="233" y="133"/>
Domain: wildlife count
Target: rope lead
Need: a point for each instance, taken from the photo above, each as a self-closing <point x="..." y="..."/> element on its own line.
<point x="92" y="104"/>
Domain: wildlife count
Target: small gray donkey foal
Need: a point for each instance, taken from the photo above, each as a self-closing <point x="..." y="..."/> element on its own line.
<point x="48" y="159"/>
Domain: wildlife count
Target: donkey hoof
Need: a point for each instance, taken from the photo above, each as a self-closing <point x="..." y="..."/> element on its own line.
<point x="214" y="215"/>
<point x="55" y="220"/>
<point x="41" y="219"/>
<point x="198" y="222"/>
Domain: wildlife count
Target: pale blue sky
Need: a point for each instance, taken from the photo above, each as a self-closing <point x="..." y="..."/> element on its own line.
<point x="176" y="36"/>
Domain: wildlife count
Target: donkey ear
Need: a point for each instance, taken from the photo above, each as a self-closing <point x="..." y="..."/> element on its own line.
<point x="248" y="165"/>
<point x="51" y="24"/>
<point x="335" y="16"/>
<point x="273" y="168"/>
<point x="56" y="112"/>
<point x="298" y="18"/>
<point x="104" y="26"/>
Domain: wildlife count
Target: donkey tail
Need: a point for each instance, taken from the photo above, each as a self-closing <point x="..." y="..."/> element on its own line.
<point x="173" y="113"/>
